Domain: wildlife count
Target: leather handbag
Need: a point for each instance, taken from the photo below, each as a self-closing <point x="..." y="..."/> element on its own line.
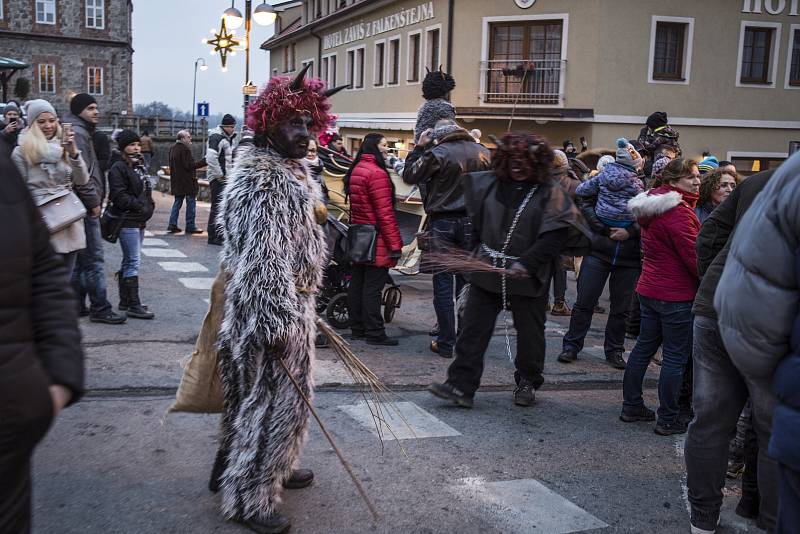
<point x="361" y="242"/>
<point x="62" y="211"/>
<point x="111" y="224"/>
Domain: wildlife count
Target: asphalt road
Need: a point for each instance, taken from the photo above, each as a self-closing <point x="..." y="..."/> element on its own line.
<point x="116" y="463"/>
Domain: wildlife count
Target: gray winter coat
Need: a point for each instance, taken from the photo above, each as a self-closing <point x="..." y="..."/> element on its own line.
<point x="93" y="193"/>
<point x="757" y="297"/>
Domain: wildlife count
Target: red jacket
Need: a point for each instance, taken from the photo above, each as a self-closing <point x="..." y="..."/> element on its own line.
<point x="371" y="203"/>
<point x="669" y="232"/>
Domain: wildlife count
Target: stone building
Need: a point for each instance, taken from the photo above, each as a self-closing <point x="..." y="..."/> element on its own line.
<point x="72" y="46"/>
<point x="726" y="71"/>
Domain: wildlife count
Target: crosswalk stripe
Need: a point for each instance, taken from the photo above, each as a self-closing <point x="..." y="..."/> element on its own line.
<point x="148" y="233"/>
<point x="525" y="505"/>
<point x="163" y="253"/>
<point x="422" y="424"/>
<point x="183" y="266"/>
<point x="196" y="283"/>
<point x="153" y="242"/>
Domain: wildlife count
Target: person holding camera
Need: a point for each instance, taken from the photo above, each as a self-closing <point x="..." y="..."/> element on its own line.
<point x="48" y="159"/>
<point x="12" y="125"/>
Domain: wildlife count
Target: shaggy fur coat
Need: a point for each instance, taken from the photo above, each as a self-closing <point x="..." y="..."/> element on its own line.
<point x="430" y="112"/>
<point x="274" y="256"/>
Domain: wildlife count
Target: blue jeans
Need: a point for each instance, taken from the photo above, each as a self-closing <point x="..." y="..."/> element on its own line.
<point x="448" y="232"/>
<point x="667" y="325"/>
<point x="130" y="239"/>
<point x="789" y="513"/>
<point x="191" y="205"/>
<point x="89" y="276"/>
<point x="720" y="392"/>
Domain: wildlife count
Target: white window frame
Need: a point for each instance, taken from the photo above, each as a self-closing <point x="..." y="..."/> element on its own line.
<point x="487" y="21"/>
<point x="351" y="70"/>
<point x="375" y="70"/>
<point x="425" y="47"/>
<point x="89" y="79"/>
<point x="1" y="9"/>
<point x="389" y="40"/>
<point x="687" y="49"/>
<point x="98" y="6"/>
<point x="48" y="8"/>
<point x="330" y="68"/>
<point x="792" y="29"/>
<point x="409" y="58"/>
<point x="305" y="62"/>
<point x="48" y="67"/>
<point x="775" y="53"/>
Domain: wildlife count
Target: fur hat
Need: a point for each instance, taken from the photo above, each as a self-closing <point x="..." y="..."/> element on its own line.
<point x="560" y="162"/>
<point x="437" y="84"/>
<point x="34" y="108"/>
<point x="283" y="97"/>
<point x="80" y="102"/>
<point x="627" y="155"/>
<point x="125" y="138"/>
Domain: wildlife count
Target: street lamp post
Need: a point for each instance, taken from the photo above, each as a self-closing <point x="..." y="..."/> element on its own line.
<point x="203" y="66"/>
<point x="264" y="15"/>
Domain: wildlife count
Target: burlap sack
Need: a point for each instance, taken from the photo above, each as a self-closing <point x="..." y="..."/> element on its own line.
<point x="200" y="390"/>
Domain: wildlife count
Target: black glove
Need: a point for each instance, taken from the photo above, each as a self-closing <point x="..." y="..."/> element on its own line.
<point x="395" y="254"/>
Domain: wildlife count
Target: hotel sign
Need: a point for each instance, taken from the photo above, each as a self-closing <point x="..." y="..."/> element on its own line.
<point x="363" y="30"/>
<point x="772" y="7"/>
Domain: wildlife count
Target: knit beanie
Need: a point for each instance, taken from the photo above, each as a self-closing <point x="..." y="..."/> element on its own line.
<point x="228" y="120"/>
<point x="603" y="161"/>
<point x="659" y="164"/>
<point x="560" y="161"/>
<point x="125" y="138"/>
<point x="34" y="108"/>
<point x="10" y="107"/>
<point x="627" y="155"/>
<point x="80" y="102"/>
<point x="657" y="120"/>
<point x="708" y="165"/>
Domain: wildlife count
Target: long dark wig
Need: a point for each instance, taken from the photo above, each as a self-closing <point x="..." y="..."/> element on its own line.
<point x="369" y="145"/>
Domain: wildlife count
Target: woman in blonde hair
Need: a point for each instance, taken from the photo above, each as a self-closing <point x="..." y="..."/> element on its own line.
<point x="51" y="164"/>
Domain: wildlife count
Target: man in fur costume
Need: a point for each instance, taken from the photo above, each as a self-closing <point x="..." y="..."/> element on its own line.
<point x="521" y="221"/>
<point x="436" y="89"/>
<point x="273" y="255"/>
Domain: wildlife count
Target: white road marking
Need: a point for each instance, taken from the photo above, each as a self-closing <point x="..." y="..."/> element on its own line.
<point x="421" y="423"/>
<point x="183" y="266"/>
<point x="163" y="253"/>
<point x="526" y="505"/>
<point x="207" y="301"/>
<point x="148" y="233"/>
<point x="196" y="283"/>
<point x="153" y="242"/>
<point x="680" y="442"/>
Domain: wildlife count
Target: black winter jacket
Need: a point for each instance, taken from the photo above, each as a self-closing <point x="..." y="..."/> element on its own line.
<point x="93" y="193"/>
<point x="130" y="194"/>
<point x="620" y="253"/>
<point x="713" y="241"/>
<point x="438" y="171"/>
<point x="38" y="320"/>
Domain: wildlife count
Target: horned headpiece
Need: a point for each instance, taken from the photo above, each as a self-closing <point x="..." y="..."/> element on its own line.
<point x="283" y="97"/>
<point x="437" y="84"/>
<point x="522" y="157"/>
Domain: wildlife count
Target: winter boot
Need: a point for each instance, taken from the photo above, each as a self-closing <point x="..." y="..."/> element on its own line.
<point x="560" y="308"/>
<point x="123" y="292"/>
<point x="135" y="308"/>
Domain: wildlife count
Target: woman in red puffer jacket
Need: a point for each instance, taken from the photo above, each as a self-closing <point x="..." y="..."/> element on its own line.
<point x="372" y="200"/>
<point x="667" y="286"/>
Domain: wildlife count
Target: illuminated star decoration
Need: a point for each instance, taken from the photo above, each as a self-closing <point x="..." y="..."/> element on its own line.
<point x="225" y="43"/>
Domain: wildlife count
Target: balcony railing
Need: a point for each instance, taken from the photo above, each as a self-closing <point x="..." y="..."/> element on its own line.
<point x="523" y="81"/>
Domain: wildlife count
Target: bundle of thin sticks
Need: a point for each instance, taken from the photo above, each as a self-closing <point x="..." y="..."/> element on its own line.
<point x="378" y="397"/>
<point x="445" y="258"/>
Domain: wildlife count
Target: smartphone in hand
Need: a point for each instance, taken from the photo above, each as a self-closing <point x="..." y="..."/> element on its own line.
<point x="66" y="132"/>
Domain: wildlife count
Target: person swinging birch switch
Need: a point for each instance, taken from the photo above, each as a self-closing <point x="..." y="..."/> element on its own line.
<point x="521" y="220"/>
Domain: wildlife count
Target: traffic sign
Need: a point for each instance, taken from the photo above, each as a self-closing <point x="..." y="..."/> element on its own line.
<point x="202" y="109"/>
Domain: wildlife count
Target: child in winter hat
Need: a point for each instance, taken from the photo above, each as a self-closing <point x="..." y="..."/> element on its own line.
<point x="615" y="185"/>
<point x="707" y="165"/>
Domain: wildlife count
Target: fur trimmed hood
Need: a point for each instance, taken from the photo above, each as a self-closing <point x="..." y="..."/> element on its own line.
<point x="648" y="206"/>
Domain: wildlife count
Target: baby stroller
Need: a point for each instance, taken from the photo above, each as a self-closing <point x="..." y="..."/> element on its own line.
<point x="332" y="298"/>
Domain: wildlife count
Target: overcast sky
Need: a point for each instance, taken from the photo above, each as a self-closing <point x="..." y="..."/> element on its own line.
<point x="167" y="38"/>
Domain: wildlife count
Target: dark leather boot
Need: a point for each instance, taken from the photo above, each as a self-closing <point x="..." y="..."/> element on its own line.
<point x="300" y="478"/>
<point x="274" y="523"/>
<point x="123" y="292"/>
<point x="135" y="308"/>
